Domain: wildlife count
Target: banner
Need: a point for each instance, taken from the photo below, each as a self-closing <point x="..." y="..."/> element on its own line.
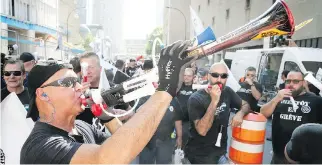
<point x="15" y="128"/>
<point x="196" y="22"/>
<point x="231" y="81"/>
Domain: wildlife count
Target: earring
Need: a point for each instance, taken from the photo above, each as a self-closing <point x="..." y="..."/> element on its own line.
<point x="44" y="94"/>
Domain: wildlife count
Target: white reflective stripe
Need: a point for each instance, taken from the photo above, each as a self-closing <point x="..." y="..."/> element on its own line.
<point x="249" y="148"/>
<point x="252" y="125"/>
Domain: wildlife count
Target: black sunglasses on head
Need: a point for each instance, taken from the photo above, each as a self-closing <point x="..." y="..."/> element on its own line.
<point x="9" y="73"/>
<point x="216" y="75"/>
<point x="68" y="82"/>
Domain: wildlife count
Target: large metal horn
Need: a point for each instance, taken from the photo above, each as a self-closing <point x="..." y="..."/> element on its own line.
<point x="277" y="20"/>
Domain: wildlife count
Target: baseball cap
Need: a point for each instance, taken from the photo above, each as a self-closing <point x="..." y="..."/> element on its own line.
<point x="26" y="56"/>
<point x="305" y="145"/>
<point x="148" y="64"/>
<point x="37" y="76"/>
<point x="202" y="72"/>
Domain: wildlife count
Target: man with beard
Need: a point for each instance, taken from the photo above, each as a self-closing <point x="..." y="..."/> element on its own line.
<point x="286" y="118"/>
<point x="250" y="90"/>
<point x="209" y="112"/>
<point x="182" y="117"/>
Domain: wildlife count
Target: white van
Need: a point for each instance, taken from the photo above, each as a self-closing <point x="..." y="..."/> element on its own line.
<point x="270" y="63"/>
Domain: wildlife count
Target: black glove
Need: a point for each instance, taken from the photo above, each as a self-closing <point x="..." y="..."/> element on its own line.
<point x="109" y="98"/>
<point x="172" y="63"/>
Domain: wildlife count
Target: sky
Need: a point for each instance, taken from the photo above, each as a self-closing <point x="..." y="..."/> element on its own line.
<point x="140" y="17"/>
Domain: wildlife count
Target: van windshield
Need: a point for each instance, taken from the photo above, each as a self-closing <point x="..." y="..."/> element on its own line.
<point x="312" y="66"/>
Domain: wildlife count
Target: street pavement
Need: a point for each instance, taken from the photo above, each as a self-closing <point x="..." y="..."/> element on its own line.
<point x="268" y="144"/>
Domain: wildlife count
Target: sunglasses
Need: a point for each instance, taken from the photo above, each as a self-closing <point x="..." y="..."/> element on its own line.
<point x="9" y="73"/>
<point x="216" y="75"/>
<point x="294" y="81"/>
<point x="68" y="82"/>
<point x="251" y="75"/>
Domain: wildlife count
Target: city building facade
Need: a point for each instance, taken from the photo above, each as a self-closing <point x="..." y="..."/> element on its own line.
<point x="224" y="16"/>
<point x="34" y="26"/>
<point x="109" y="14"/>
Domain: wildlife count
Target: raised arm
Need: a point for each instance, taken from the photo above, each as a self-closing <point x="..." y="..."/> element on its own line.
<point x="268" y="109"/>
<point x="129" y="140"/>
<point x="204" y="123"/>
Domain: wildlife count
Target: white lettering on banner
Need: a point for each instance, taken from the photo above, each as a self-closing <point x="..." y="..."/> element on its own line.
<point x="290" y="117"/>
<point x="238" y="31"/>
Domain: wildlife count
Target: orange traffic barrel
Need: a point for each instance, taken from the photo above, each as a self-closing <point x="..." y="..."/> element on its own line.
<point x="247" y="143"/>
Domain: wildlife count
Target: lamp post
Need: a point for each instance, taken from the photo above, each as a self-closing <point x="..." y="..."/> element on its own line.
<point x="185" y="20"/>
<point x="154" y="50"/>
<point x="68" y="19"/>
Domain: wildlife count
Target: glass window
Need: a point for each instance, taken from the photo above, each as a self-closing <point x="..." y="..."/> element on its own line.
<point x="213" y="21"/>
<point x="289" y="65"/>
<point x="314" y="42"/>
<point x="309" y="43"/>
<point x="312" y="66"/>
<point x="28" y="12"/>
<point x="302" y="43"/>
<point x="227" y="13"/>
<point x="319" y="42"/>
<point x="247" y="4"/>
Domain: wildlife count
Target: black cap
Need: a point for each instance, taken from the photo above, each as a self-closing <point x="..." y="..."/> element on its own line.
<point x="36" y="77"/>
<point x="26" y="56"/>
<point x="202" y="72"/>
<point x="305" y="145"/>
<point x="148" y="64"/>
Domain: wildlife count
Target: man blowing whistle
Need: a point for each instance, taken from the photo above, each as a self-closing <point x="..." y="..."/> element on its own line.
<point x="57" y="138"/>
<point x="209" y="111"/>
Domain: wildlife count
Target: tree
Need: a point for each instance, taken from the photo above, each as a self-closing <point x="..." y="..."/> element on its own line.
<point x="86" y="44"/>
<point x="156" y="33"/>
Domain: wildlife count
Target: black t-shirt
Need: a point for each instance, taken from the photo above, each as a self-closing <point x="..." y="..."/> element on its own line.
<point x="23" y="96"/>
<point x="120" y="77"/>
<point x="245" y="93"/>
<point x="197" y="106"/>
<point x="47" y="144"/>
<point x="130" y="71"/>
<point x="286" y="119"/>
<point x="183" y="96"/>
<point x="166" y="126"/>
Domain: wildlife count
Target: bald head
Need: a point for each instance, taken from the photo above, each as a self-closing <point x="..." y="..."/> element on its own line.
<point x="218" y="74"/>
<point x="218" y="67"/>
